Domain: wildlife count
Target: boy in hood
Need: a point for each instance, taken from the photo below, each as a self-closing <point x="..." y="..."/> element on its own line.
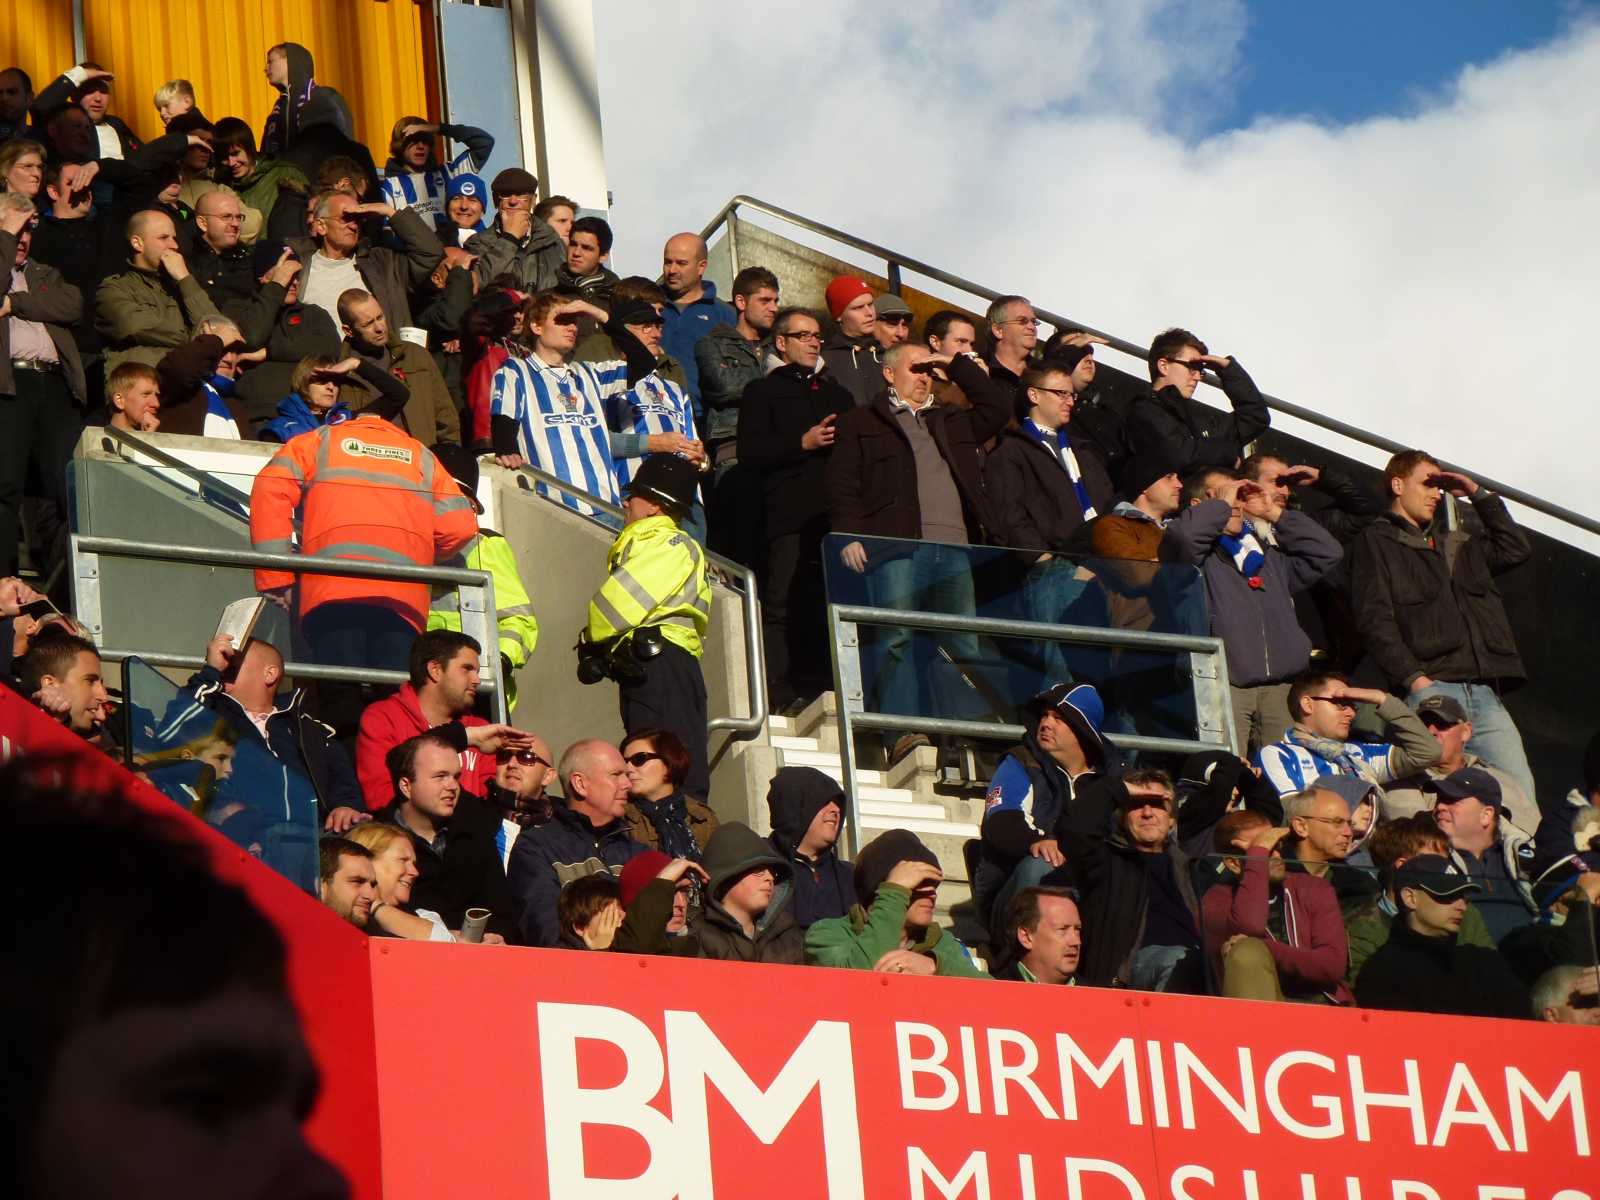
<point x="807" y="810"/>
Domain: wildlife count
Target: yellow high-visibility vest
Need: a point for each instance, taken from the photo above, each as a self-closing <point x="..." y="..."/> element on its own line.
<point x="657" y="578"/>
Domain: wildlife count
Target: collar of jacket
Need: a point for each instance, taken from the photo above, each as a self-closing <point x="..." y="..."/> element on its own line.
<point x="1403" y="531"/>
<point x="578" y="823"/>
<point x="923" y="945"/>
<point x="1401" y="933"/>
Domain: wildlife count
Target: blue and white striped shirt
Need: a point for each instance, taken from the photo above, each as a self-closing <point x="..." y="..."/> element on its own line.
<point x="561" y="420"/>
<point x="1291" y="767"/>
<point x="425" y="190"/>
<point x="653" y="405"/>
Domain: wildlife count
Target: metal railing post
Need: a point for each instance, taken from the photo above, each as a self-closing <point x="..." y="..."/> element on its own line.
<point x="478" y="622"/>
<point x="1213" y="701"/>
<point x="849" y="697"/>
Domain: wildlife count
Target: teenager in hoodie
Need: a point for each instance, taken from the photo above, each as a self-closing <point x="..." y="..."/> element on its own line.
<point x="315" y="400"/>
<point x="807" y="810"/>
<point x="309" y="123"/>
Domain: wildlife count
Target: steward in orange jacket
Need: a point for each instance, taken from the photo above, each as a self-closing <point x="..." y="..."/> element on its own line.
<point x="361" y="490"/>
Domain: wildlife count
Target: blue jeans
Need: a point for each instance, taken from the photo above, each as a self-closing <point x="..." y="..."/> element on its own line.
<point x="1157" y="968"/>
<point x="932" y="578"/>
<point x="1495" y="738"/>
<point x="1052" y="594"/>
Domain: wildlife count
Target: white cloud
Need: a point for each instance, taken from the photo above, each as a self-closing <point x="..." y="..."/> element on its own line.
<point x="1432" y="275"/>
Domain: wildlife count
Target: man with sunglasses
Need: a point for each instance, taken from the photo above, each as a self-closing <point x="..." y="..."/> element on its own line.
<point x="521" y="776"/>
<point x="1322" y="706"/>
<point x="1190" y="435"/>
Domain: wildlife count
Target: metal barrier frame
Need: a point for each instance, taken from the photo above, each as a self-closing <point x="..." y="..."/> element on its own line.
<point x="895" y="263"/>
<point x="476" y="589"/>
<point x="1208" y="670"/>
<point x="754" y="647"/>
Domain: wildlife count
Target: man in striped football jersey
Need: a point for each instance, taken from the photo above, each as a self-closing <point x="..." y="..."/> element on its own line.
<point x="414" y="176"/>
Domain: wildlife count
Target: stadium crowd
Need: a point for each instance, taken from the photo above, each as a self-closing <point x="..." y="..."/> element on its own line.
<point x="1375" y="837"/>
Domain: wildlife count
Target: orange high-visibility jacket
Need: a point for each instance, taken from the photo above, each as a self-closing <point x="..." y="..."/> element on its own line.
<point x="362" y="490"/>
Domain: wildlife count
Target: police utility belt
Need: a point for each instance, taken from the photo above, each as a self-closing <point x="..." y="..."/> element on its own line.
<point x="620" y="659"/>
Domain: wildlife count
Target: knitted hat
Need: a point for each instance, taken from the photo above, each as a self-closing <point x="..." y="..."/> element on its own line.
<point x="640" y="870"/>
<point x="1141" y="471"/>
<point x="842" y="292"/>
<point x="881" y="855"/>
<point x="467" y="185"/>
<point x="890" y="305"/>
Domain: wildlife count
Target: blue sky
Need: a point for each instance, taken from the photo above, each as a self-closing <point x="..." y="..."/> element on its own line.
<point x="1360" y="58"/>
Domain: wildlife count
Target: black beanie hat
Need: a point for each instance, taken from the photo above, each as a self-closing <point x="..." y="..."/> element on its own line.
<point x="881" y="855"/>
<point x="1141" y="471"/>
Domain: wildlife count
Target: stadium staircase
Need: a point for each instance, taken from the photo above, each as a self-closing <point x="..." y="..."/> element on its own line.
<point x="194" y="492"/>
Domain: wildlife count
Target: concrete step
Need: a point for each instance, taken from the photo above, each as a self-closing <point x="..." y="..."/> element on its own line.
<point x="788" y="741"/>
<point x="828" y="763"/>
<point x="944" y="838"/>
<point x="902" y="810"/>
<point x="779" y="725"/>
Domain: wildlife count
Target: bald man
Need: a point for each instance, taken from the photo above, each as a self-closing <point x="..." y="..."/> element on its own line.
<point x="221" y="263"/>
<point x="693" y="309"/>
<point x="587" y="835"/>
<point x="143" y="312"/>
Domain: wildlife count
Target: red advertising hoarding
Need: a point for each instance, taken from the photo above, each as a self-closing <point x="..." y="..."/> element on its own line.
<point x="600" y="1077"/>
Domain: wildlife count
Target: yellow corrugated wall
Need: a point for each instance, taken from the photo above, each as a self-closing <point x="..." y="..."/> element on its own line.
<point x="371" y="50"/>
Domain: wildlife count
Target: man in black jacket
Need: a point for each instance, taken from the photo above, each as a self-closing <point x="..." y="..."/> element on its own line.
<point x="222" y="265"/>
<point x="1140" y="912"/>
<point x="1045" y="485"/>
<point x="906" y="468"/>
<point x="807" y="809"/>
<point x="241" y="687"/>
<point x="1428" y="607"/>
<point x="458" y="864"/>
<point x="786" y="433"/>
<point x="1424" y="967"/>
<point x="1186" y="434"/>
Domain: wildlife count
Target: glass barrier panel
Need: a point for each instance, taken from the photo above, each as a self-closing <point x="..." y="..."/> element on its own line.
<point x="183" y="740"/>
<point x="983" y="677"/>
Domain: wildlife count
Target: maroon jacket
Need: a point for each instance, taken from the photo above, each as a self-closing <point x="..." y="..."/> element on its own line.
<point x="1314" y="959"/>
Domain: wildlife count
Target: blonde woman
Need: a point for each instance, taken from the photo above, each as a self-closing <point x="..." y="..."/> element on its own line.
<point x="394" y="857"/>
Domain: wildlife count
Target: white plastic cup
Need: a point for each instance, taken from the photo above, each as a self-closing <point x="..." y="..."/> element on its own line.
<point x="472" y="928"/>
<point x="414" y="335"/>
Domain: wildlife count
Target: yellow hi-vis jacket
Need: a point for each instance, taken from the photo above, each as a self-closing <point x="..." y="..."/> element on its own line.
<point x="513" y="611"/>
<point x="658" y="578"/>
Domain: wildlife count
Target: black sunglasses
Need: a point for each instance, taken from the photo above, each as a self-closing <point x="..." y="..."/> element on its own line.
<point x="639" y="758"/>
<point x="526" y="757"/>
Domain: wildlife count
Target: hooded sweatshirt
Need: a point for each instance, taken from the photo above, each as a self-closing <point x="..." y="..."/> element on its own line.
<point x="733" y="850"/>
<point x="309" y="123"/>
<point x="823" y="886"/>
<point x="857" y="363"/>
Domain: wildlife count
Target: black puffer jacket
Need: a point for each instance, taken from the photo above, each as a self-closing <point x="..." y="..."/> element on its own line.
<point x="772" y="418"/>
<point x="872" y="476"/>
<point x="1032" y="503"/>
<point x="1110" y="874"/>
<point x="469" y="873"/>
<point x="1427" y="603"/>
<point x="298" y="330"/>
<point x="549" y="856"/>
<point x="824" y="887"/>
<point x="1191" y="435"/>
<point x="1414" y="973"/>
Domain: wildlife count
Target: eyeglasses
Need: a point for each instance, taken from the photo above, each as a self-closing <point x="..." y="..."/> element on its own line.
<point x="1053" y="391"/>
<point x="1336" y="822"/>
<point x="1337" y="701"/>
<point x="1194" y="365"/>
<point x="804" y="335"/>
<point x="643" y="756"/>
<point x="526" y="757"/>
<point x="1030" y="322"/>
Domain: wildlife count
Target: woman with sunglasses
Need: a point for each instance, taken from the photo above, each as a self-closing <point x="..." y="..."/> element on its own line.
<point x="661" y="815"/>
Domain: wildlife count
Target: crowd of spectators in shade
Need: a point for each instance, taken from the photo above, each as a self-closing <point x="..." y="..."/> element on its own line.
<point x="1375" y="835"/>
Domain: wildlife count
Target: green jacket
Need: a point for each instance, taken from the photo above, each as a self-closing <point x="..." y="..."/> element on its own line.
<point x="143" y="314"/>
<point x="519" y="629"/>
<point x="270" y="176"/>
<point x="1369" y="929"/>
<point x="860" y="938"/>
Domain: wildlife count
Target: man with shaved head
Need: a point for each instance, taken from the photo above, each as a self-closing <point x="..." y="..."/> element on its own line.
<point x="693" y="309"/>
<point x="156" y="304"/>
<point x="222" y="265"/>
<point x="588" y="834"/>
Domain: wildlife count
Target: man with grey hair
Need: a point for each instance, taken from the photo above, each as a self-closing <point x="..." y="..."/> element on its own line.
<point x="197" y="382"/>
<point x="339" y="255"/>
<point x="692" y="309"/>
<point x="1013" y="334"/>
<point x="156" y="303"/>
<point x="1568" y="995"/>
<point x="587" y="835"/>
<point x="1321" y="821"/>
<point x="41" y="376"/>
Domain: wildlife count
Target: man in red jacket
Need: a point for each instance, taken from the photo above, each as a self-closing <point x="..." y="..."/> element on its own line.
<point x="1272" y="935"/>
<point x="444" y="683"/>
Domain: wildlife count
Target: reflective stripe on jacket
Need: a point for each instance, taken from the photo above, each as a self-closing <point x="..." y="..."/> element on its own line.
<point x="658" y="578"/>
<point x="518" y="629"/>
<point x="362" y="490"/>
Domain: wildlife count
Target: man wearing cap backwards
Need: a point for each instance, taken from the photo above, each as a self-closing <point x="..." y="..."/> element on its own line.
<point x="649" y="618"/>
<point x="1424" y="967"/>
<point x="890" y="928"/>
<point x="1446" y="720"/>
<point x="415" y="178"/>
<point x="852" y="354"/>
<point x="1322" y="705"/>
<point x="517" y="242"/>
<point x="1487" y="847"/>
<point x="1036" y="783"/>
<point x="893" y="323"/>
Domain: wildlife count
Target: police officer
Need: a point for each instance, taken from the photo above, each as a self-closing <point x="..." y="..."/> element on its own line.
<point x="649" y="618"/>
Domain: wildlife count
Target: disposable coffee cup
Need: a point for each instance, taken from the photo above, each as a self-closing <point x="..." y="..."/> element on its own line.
<point x="410" y="333"/>
<point x="472" y="928"/>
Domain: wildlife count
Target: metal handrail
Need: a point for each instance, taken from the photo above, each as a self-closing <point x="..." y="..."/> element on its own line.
<point x="1006" y="627"/>
<point x="297" y="670"/>
<point x="205" y="479"/>
<point x="895" y="262"/>
<point x="754" y="649"/>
